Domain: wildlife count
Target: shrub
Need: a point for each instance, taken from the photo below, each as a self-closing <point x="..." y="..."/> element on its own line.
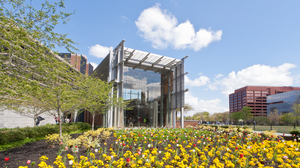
<point x="83" y="126"/>
<point x="18" y="134"/>
<point x="295" y="132"/>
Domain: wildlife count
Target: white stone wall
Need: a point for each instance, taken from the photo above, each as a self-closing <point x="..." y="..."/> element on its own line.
<point x="10" y="119"/>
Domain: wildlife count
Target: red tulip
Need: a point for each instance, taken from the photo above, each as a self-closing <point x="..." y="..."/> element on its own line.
<point x="236" y="148"/>
<point x="128" y="160"/>
<point x="28" y="161"/>
<point x="76" y="146"/>
<point x="6" y="159"/>
<point x="241" y="155"/>
<point x="283" y="134"/>
<point x="123" y="144"/>
<point x="194" y="145"/>
<point x="272" y="136"/>
<point x="66" y="148"/>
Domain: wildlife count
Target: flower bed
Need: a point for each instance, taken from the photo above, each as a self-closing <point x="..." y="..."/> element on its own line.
<point x="188" y="147"/>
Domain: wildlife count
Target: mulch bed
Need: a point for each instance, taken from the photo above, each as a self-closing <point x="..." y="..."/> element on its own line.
<point x="34" y="150"/>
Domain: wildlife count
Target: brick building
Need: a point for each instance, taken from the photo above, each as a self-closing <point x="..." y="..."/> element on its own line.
<point x="255" y="97"/>
<point x="78" y="61"/>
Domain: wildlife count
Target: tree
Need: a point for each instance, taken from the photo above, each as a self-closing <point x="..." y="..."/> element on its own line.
<point x="186" y="108"/>
<point x="23" y="29"/>
<point x="33" y="105"/>
<point x="204" y="116"/>
<point x="96" y="97"/>
<point x="220" y="117"/>
<point x="274" y="116"/>
<point x="296" y="108"/>
<point x="244" y="114"/>
<point x="287" y="118"/>
<point x="27" y="39"/>
<point x="40" y="22"/>
<point x="63" y="94"/>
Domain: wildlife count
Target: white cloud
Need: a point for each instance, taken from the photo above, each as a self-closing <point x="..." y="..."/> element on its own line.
<point x="257" y="75"/>
<point x="219" y="75"/>
<point x="124" y="18"/>
<point x="162" y="29"/>
<point x="99" y="51"/>
<point x="211" y="106"/>
<point x="94" y="65"/>
<point x="201" y="81"/>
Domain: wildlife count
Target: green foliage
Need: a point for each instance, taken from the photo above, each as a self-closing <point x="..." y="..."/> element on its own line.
<point x="19" y="134"/>
<point x="244" y="114"/>
<point x="295" y="132"/>
<point x="17" y="143"/>
<point x="287" y="118"/>
<point x="261" y="120"/>
<point x="96" y="97"/>
<point x="40" y="22"/>
<point x="296" y="108"/>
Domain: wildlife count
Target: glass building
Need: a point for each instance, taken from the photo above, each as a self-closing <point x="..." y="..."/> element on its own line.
<point x="283" y="102"/>
<point x="154" y="85"/>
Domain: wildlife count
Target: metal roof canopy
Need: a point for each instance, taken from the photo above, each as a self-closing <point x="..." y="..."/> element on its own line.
<point x="144" y="60"/>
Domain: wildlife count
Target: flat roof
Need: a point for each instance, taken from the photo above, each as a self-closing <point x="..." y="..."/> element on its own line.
<point x="146" y="60"/>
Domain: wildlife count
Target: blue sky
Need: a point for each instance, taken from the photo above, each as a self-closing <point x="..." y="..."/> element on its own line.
<point x="230" y="44"/>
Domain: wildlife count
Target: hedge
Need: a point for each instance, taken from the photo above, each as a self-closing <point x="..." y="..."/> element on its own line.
<point x="18" y="134"/>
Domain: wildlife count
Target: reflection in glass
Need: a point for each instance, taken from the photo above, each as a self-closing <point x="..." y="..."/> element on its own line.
<point x="143" y="88"/>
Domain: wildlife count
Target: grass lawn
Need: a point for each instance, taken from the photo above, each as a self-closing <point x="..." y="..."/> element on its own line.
<point x="280" y="129"/>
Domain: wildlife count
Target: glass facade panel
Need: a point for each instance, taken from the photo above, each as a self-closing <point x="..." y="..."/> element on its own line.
<point x="143" y="88"/>
<point x="283" y="102"/>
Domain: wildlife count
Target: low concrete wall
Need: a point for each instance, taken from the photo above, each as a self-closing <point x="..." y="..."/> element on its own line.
<point x="10" y="119"/>
<point x="187" y="123"/>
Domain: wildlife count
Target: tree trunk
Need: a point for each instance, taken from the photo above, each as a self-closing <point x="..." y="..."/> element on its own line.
<point x="34" y="119"/>
<point x="59" y="119"/>
<point x="93" y="122"/>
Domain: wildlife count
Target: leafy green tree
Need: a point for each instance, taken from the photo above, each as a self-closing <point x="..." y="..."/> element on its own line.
<point x="96" y="97"/>
<point x="33" y="105"/>
<point x="204" y="116"/>
<point x="287" y="118"/>
<point x="40" y="22"/>
<point x="260" y="120"/>
<point x="221" y="117"/>
<point x="23" y="29"/>
<point x="244" y="114"/>
<point x="27" y="39"/>
<point x="63" y="94"/>
<point x="296" y="108"/>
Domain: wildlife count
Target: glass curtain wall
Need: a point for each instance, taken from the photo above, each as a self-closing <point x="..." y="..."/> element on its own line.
<point x="143" y="88"/>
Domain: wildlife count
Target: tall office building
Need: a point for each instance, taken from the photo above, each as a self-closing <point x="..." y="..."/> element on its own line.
<point x="255" y="97"/>
<point x="79" y="62"/>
